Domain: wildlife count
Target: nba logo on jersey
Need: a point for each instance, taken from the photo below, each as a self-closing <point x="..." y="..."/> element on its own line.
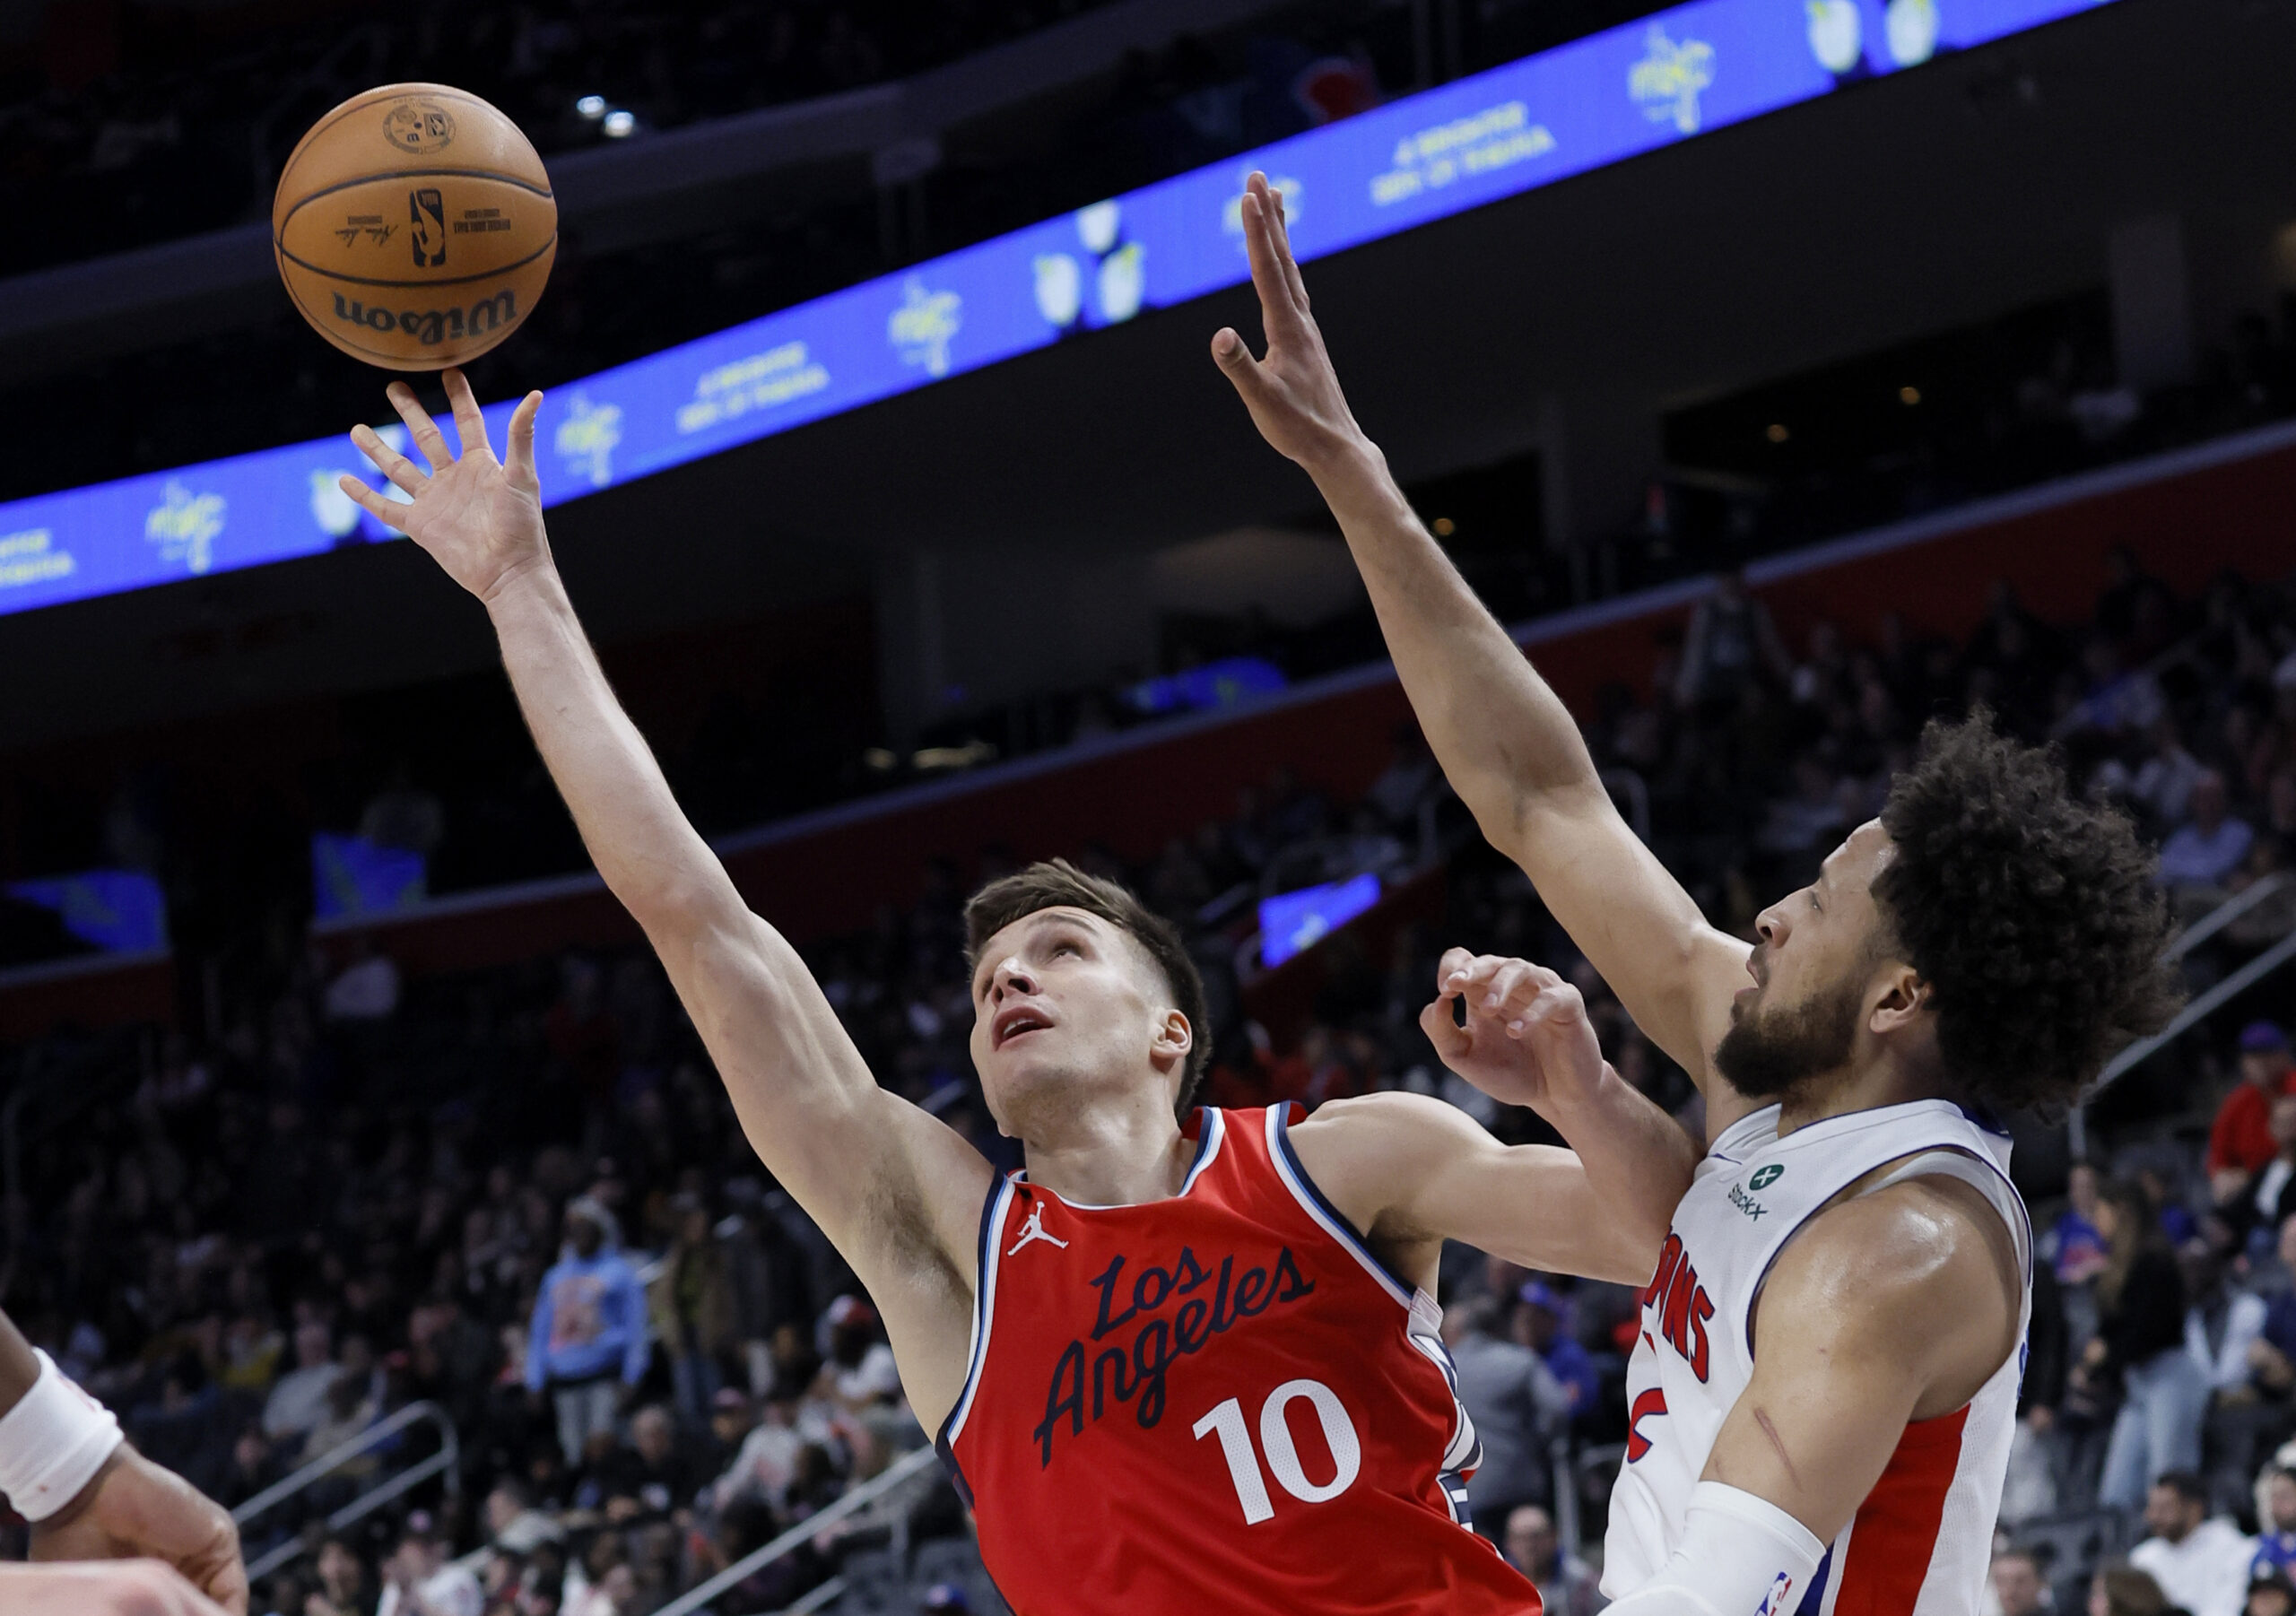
<point x="1773" y="1602"/>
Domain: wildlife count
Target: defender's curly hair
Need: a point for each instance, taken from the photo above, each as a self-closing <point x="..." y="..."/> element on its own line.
<point x="2034" y="917"/>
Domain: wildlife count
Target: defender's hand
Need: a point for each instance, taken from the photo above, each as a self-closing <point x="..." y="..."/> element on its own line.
<point x="479" y="518"/>
<point x="136" y="1509"/>
<point x="1527" y="1041"/>
<point x="1293" y="394"/>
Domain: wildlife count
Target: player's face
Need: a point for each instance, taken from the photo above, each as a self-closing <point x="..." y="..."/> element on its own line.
<point x="1797" y="1017"/>
<point x="1067" y="1010"/>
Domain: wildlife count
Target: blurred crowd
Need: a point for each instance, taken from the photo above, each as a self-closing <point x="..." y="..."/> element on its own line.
<point x="520" y="1195"/>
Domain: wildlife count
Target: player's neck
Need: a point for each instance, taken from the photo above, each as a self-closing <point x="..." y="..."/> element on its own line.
<point x="1110" y="1156"/>
<point x="1877" y="1075"/>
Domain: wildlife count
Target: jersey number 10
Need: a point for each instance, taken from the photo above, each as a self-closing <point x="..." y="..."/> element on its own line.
<point x="1227" y="1421"/>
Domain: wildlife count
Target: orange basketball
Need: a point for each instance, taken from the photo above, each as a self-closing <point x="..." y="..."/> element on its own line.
<point x="415" y="226"/>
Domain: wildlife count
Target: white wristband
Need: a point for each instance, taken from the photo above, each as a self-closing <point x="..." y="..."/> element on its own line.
<point x="1739" y="1553"/>
<point x="52" y="1443"/>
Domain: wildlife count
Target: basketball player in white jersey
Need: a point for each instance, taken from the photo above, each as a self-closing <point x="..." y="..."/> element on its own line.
<point x="1824" y="1389"/>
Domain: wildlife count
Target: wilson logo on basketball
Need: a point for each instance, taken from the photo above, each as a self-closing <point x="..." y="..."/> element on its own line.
<point x="433" y="324"/>
<point x="1136" y="1375"/>
<point x="418" y="126"/>
<point x="1682" y="1304"/>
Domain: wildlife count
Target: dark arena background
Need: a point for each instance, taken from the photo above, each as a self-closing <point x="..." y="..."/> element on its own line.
<point x="1783" y="372"/>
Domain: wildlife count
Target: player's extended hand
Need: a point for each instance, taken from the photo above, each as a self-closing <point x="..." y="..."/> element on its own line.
<point x="1293" y="394"/>
<point x="479" y="517"/>
<point x="1527" y="1041"/>
<point x="136" y="1509"/>
<point x="128" y="1587"/>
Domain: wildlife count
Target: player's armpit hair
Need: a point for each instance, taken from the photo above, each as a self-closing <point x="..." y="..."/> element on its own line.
<point x="2035" y="918"/>
<point x="1059" y="884"/>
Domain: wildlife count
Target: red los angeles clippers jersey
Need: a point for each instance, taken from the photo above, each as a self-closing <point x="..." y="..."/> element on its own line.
<point x="1216" y="1402"/>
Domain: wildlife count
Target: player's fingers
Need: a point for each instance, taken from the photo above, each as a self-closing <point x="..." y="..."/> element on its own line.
<point x="1447" y="1035"/>
<point x="419" y="427"/>
<point x="1453" y="966"/>
<point x="1276" y="312"/>
<point x="1233" y="355"/>
<point x="470" y="422"/>
<point x="388" y="512"/>
<point x="1283" y="254"/>
<point x="387" y="460"/>
<point x="1557" y="1009"/>
<point x="522" y="436"/>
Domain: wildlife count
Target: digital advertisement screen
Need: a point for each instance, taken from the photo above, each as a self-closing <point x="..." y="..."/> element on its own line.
<point x="1597" y="100"/>
<point x="1292" y="923"/>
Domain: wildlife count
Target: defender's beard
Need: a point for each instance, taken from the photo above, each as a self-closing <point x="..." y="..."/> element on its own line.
<point x="1767" y="1054"/>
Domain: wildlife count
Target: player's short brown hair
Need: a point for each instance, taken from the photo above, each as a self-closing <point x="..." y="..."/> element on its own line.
<point x="1059" y="884"/>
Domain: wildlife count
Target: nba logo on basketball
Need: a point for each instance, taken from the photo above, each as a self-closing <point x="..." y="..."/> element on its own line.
<point x="428" y="212"/>
<point x="1774" y="1602"/>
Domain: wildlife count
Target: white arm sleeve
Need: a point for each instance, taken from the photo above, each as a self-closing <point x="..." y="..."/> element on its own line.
<point x="1740" y="1556"/>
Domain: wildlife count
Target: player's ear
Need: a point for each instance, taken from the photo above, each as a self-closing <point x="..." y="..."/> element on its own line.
<point x="1174" y="1038"/>
<point x="1903" y="998"/>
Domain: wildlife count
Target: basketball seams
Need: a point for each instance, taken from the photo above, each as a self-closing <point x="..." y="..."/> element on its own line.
<point x="484" y="274"/>
<point x="407" y="362"/>
<point x="376" y="97"/>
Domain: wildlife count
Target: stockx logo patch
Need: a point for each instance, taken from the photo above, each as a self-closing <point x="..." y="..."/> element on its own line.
<point x="1764" y="1179"/>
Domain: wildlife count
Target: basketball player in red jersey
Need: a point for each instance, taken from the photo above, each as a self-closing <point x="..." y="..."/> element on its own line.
<point x="1188" y="1361"/>
<point x="1824" y="1389"/>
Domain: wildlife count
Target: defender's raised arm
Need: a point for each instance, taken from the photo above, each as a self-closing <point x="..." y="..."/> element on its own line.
<point x="1508" y="744"/>
<point x="896" y="1191"/>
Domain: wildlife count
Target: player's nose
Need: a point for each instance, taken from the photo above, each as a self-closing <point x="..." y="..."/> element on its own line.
<point x="1012" y="977"/>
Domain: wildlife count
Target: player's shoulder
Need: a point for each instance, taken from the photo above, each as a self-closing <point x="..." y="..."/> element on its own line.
<point x="1390" y="1124"/>
<point x="1901" y="1266"/>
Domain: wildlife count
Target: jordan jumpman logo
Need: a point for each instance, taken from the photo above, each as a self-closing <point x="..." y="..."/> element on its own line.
<point x="1033" y="1230"/>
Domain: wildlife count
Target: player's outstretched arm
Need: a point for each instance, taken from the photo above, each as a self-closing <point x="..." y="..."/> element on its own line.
<point x="898" y="1192"/>
<point x="1506" y="742"/>
<point x="1415" y="1171"/>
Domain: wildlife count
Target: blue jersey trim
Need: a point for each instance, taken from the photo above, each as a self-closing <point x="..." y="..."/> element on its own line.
<point x="1303" y="1189"/>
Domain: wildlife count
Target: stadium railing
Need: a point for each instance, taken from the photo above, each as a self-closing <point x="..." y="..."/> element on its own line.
<point x="445" y="1463"/>
<point x="859" y="1498"/>
<point x="2203" y="1005"/>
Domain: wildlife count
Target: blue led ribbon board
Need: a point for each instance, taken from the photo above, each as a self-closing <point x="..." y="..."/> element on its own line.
<point x="1595" y="102"/>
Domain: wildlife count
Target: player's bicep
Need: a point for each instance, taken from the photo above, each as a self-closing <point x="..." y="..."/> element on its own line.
<point x="1878" y="1304"/>
<point x="1442" y="1175"/>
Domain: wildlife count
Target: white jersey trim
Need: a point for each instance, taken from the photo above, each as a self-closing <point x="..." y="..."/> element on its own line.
<point x="1295" y="1178"/>
<point x="984" y="1306"/>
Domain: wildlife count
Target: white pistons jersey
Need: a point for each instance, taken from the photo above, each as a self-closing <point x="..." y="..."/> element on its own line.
<point x="1919" y="1543"/>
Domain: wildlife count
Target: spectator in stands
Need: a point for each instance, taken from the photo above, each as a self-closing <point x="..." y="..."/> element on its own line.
<point x="2276" y="1542"/>
<point x="692" y="1307"/>
<point x="652" y="1470"/>
<point x="859" y="1369"/>
<point x="2123" y="1590"/>
<point x="2140" y="1340"/>
<point x="587" y="1341"/>
<point x="2200" y="1562"/>
<point x="346" y="1587"/>
<point x="298" y="1403"/>
<point x="513" y="1525"/>
<point x="2201" y="855"/>
<point x="2270" y="1593"/>
<point x="1515" y="1402"/>
<point x="1732" y="641"/>
<point x="368" y="989"/>
<point x="2240" y="1143"/>
<point x="2017" y="1586"/>
<point x="1566" y="1583"/>
<point x="419" y="1580"/>
<point x="1541" y="1318"/>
